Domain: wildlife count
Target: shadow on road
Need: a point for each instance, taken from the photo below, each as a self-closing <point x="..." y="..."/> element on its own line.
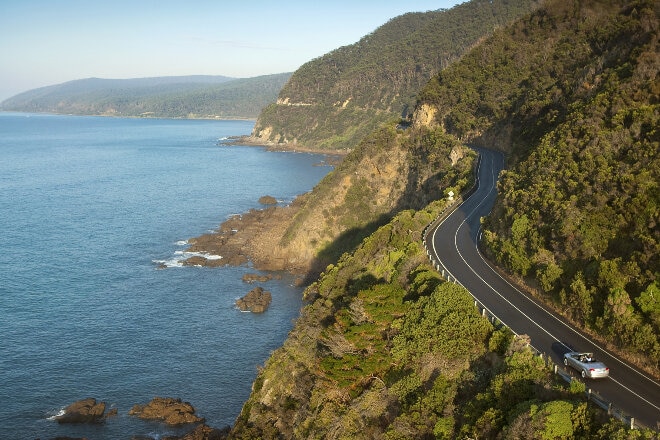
<point x="561" y="348"/>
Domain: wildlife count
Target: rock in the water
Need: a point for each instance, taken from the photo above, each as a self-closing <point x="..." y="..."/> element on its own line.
<point x="268" y="200"/>
<point x="169" y="410"/>
<point x="203" y="432"/>
<point x="252" y="277"/>
<point x="83" y="411"/>
<point x="257" y="300"/>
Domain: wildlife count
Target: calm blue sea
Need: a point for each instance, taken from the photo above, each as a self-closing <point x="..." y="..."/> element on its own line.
<point x="89" y="208"/>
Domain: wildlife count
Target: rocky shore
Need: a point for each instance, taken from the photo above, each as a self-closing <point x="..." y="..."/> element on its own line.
<point x="85" y="411"/>
<point x="254" y="236"/>
<point x="333" y="156"/>
<point x="257" y="300"/>
<point x="168" y="410"/>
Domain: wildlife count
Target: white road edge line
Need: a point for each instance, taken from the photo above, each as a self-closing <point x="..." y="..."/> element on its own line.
<point x="468" y="216"/>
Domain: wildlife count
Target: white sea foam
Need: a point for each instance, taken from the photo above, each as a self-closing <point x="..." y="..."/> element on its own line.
<point x="180" y="256"/>
<point x="202" y="254"/>
<point x="59" y="413"/>
<point x="171" y="209"/>
<point x="174" y="262"/>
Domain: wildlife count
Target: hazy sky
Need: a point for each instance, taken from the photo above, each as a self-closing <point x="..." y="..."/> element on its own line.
<point x="44" y="42"/>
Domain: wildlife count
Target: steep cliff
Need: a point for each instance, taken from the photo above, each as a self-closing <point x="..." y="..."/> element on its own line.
<point x="386" y="349"/>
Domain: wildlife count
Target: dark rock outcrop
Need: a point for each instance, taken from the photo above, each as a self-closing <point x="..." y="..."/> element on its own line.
<point x="203" y="432"/>
<point x="268" y="200"/>
<point x="83" y="411"/>
<point x="257" y="300"/>
<point x="168" y="410"/>
<point x="252" y="277"/>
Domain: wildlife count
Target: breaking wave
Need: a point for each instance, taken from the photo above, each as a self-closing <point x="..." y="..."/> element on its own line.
<point x="180" y="256"/>
<point x="54" y="415"/>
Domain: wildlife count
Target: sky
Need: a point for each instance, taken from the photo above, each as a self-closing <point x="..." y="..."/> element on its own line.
<point x="46" y="42"/>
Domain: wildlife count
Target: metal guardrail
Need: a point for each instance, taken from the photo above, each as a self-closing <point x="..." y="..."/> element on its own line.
<point x="604" y="404"/>
<point x="591" y="395"/>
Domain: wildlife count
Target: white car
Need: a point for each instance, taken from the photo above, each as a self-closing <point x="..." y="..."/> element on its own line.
<point x="586" y="364"/>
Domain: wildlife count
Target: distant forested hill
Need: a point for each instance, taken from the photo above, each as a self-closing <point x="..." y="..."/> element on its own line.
<point x="171" y="97"/>
<point x="332" y="102"/>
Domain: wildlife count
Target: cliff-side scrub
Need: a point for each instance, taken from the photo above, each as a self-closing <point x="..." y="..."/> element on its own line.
<point x="386" y="349"/>
<point x="389" y="171"/>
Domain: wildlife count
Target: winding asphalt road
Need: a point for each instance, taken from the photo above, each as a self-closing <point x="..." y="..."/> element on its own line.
<point x="453" y="244"/>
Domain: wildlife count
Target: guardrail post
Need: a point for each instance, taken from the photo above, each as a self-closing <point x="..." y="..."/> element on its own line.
<point x="555" y="368"/>
<point x="609" y="409"/>
<point x="589" y="394"/>
<point x="632" y="423"/>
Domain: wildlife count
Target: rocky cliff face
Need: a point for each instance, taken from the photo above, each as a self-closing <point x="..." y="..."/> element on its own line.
<point x="391" y="170"/>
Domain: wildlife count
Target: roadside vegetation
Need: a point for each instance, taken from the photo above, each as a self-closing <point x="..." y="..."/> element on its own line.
<point x="572" y="94"/>
<point x="387" y="349"/>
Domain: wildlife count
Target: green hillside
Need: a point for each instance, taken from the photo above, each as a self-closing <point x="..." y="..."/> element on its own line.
<point x="573" y="94"/>
<point x="334" y="101"/>
<point x="387" y="349"/>
<point x="169" y="97"/>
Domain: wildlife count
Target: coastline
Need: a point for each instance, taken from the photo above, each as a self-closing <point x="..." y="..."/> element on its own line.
<point x="255" y="237"/>
<point x="127" y="217"/>
<point x="110" y="115"/>
<point x="251" y="141"/>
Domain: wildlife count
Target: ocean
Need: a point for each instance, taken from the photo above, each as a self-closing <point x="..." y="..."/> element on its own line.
<point x="90" y="208"/>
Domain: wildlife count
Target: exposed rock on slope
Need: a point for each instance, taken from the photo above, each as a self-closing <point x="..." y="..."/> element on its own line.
<point x="389" y="171"/>
<point x="168" y="410"/>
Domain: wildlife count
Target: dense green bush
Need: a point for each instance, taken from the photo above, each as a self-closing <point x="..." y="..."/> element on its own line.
<point x="387" y="349"/>
<point x="572" y="93"/>
<point x="334" y="101"/>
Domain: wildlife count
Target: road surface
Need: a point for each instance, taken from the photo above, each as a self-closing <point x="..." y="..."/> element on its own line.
<point x="453" y="244"/>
